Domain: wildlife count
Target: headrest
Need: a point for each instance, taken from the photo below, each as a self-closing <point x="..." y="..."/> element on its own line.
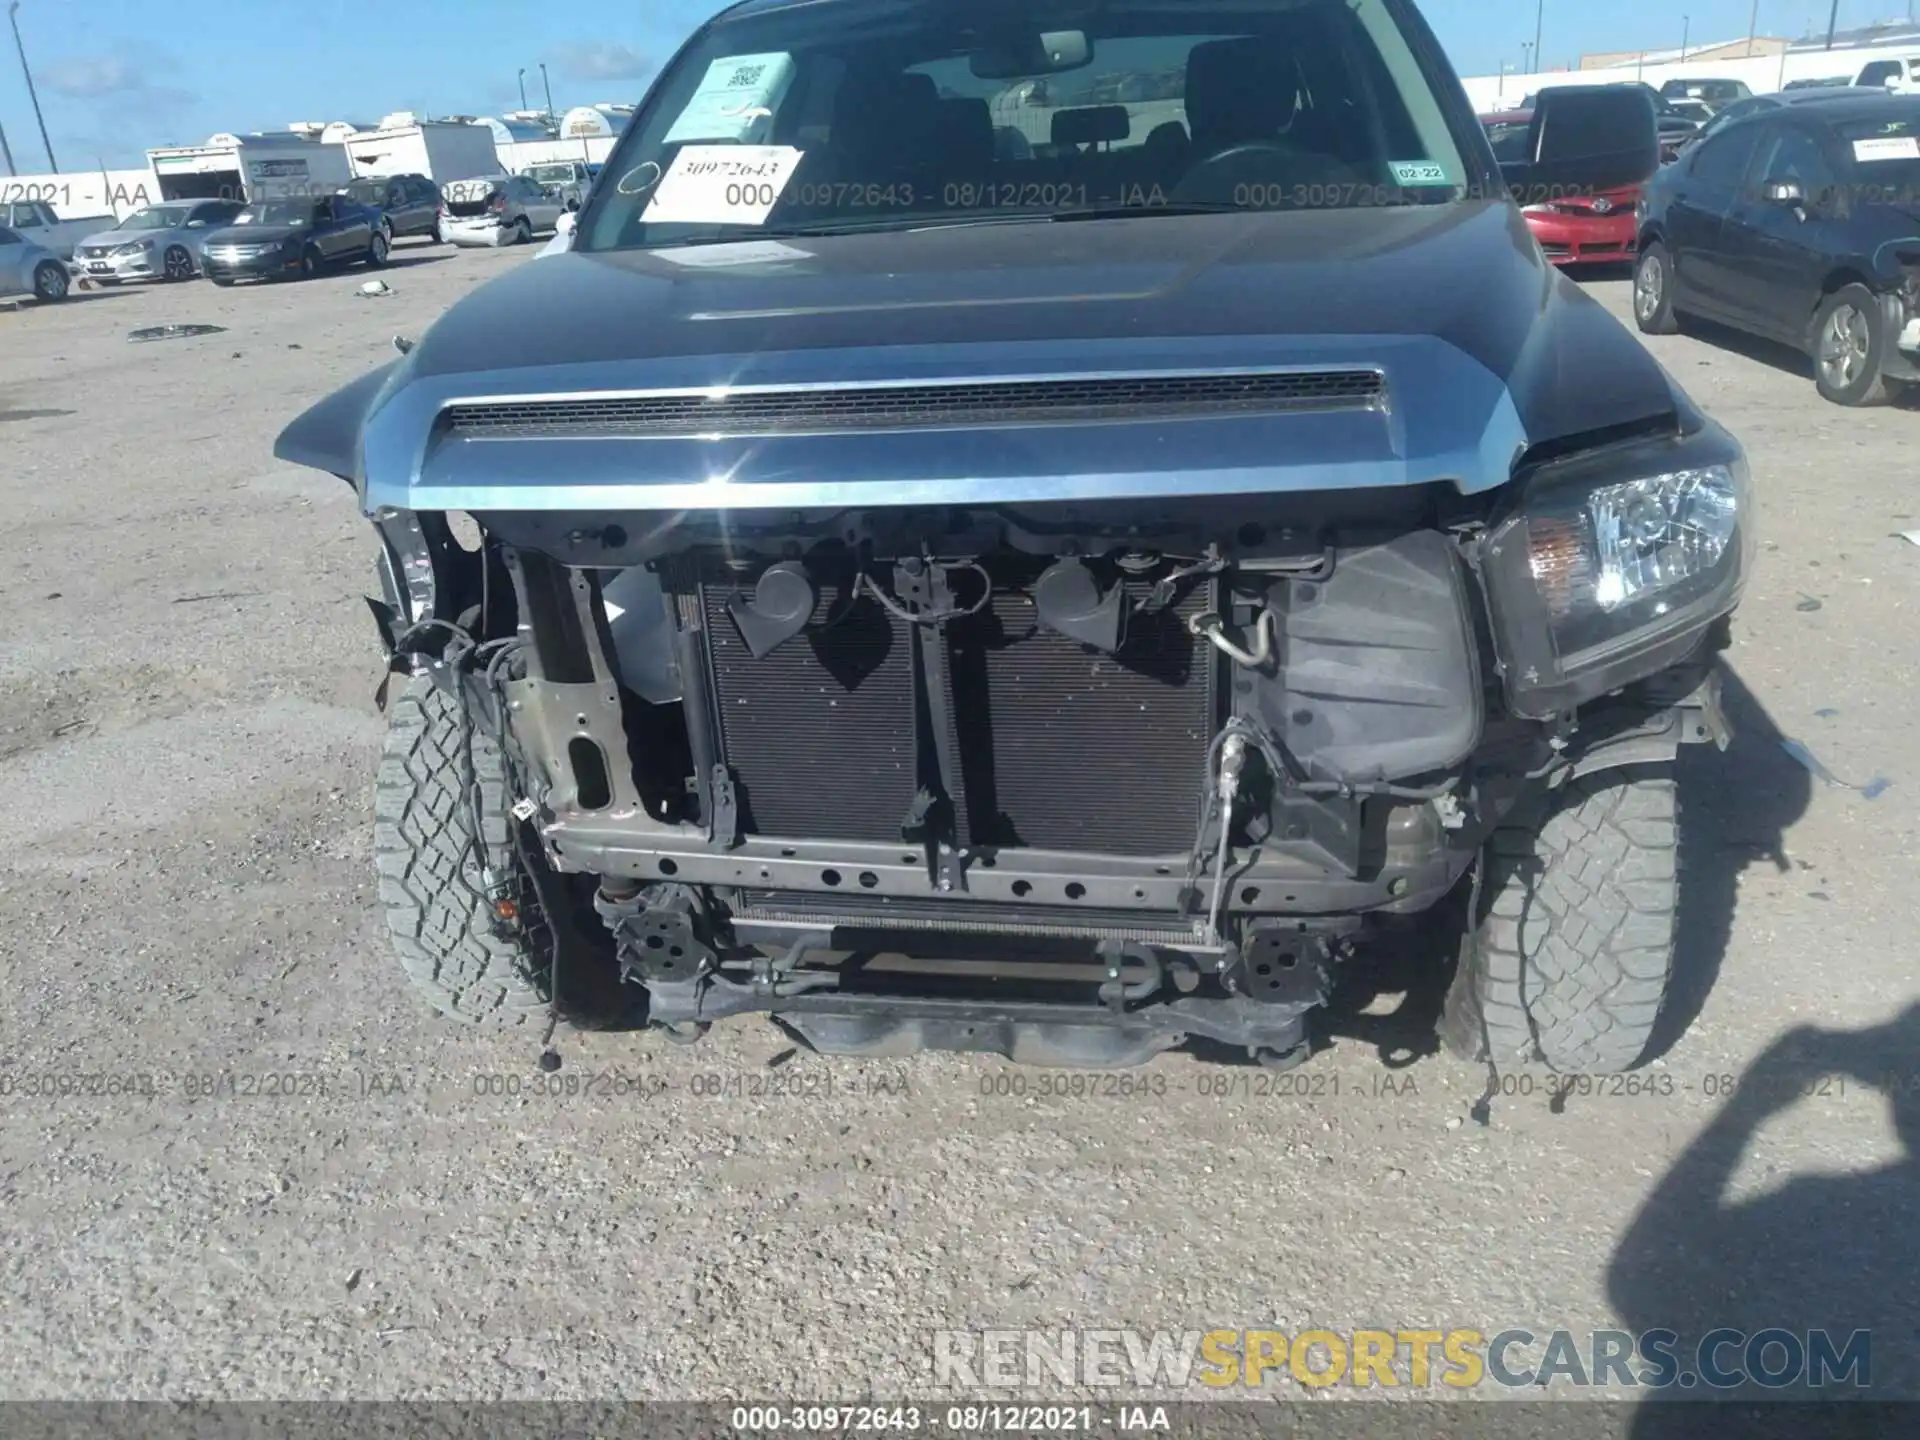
<point x="885" y="114"/>
<point x="1091" y="124"/>
<point x="966" y="132"/>
<point x="1239" y="89"/>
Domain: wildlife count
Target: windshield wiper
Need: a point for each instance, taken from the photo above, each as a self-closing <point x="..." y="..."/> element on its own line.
<point x="1165" y="207"/>
<point x="781" y="232"/>
<point x="1083" y="212"/>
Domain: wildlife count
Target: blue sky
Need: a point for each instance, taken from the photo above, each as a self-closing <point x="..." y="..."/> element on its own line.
<point x="118" y="76"/>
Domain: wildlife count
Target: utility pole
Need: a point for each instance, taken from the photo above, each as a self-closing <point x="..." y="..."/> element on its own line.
<point x="1686" y="25"/>
<point x="7" y="150"/>
<point x="1753" y="27"/>
<point x="1833" y="19"/>
<point x="1539" y="16"/>
<point x="523" y="88"/>
<point x="13" y="16"/>
<point x="552" y="119"/>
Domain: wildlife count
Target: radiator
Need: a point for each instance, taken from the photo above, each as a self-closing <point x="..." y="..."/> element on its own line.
<point x="1059" y="746"/>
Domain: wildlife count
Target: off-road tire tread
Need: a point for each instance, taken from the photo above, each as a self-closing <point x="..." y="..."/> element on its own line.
<point x="1576" y="939"/>
<point x="435" y="913"/>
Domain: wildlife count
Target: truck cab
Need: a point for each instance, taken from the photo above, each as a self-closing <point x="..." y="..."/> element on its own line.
<point x="36" y="223"/>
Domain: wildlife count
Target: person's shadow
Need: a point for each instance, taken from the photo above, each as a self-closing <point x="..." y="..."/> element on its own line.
<point x="1828" y="1253"/>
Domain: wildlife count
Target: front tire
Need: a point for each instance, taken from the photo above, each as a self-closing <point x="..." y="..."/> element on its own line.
<point x="50" y="282"/>
<point x="437" y="914"/>
<point x="1575" y="942"/>
<point x="377" y="250"/>
<point x="1850" y="345"/>
<point x="1653" y="291"/>
<point x="523" y="231"/>
<point x="176" y="265"/>
<point x="309" y="263"/>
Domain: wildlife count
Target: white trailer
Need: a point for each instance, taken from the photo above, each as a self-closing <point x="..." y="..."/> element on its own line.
<point x="1897" y="67"/>
<point x="441" y="150"/>
<point x="250" y="167"/>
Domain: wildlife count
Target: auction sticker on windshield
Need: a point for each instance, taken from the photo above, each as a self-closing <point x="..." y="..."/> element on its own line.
<point x="722" y="185"/>
<point x="1419" y="172"/>
<point x="1887" y="147"/>
<point x="736" y="99"/>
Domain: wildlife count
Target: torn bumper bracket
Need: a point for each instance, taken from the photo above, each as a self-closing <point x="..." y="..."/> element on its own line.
<point x="1668" y="715"/>
<point x="1028" y="1033"/>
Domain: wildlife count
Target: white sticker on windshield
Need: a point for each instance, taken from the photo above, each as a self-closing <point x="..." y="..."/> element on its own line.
<point x="1419" y="172"/>
<point x="1888" y="147"/>
<point x="736" y="99"/>
<point x="741" y="252"/>
<point x="722" y="185"/>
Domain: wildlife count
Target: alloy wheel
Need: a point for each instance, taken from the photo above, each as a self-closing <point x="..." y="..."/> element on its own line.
<point x="1845" y="343"/>
<point x="178" y="265"/>
<point x="1649" y="284"/>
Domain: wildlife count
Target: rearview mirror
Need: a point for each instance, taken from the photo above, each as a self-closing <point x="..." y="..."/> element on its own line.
<point x="1049" y="53"/>
<point x="1586" y="138"/>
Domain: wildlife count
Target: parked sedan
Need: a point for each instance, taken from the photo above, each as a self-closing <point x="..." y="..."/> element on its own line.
<point x="157" y="242"/>
<point x="30" y="269"/>
<point x="1596" y="229"/>
<point x="289" y="239"/>
<point x="498" y="210"/>
<point x="1801" y="225"/>
<point x="410" y="204"/>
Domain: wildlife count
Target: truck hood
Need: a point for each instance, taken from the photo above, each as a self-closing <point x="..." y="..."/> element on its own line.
<point x="254" y="234"/>
<point x="1483" y="349"/>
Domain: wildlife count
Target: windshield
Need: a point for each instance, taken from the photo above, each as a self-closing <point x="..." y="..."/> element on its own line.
<point x="1508" y="135"/>
<point x="872" y="114"/>
<point x="156" y="217"/>
<point x="1886" y="159"/>
<point x="366" y="192"/>
<point x="276" y="212"/>
<point x="550" y="174"/>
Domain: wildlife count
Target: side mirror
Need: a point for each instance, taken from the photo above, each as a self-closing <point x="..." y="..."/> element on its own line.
<point x="1785" y="192"/>
<point x="1586" y="138"/>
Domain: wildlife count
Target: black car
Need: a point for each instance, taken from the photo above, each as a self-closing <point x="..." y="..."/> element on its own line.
<point x="410" y="204"/>
<point x="294" y="239"/>
<point x="1801" y="224"/>
<point x="940" y="594"/>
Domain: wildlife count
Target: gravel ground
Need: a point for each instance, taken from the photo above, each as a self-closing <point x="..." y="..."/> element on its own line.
<point x="187" y="738"/>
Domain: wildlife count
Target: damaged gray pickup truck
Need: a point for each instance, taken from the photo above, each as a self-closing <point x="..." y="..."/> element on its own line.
<point x="1043" y="528"/>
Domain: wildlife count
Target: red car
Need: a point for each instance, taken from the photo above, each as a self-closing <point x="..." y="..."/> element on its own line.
<point x="1597" y="229"/>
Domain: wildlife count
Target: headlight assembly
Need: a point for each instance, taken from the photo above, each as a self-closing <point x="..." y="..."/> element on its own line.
<point x="1613" y="564"/>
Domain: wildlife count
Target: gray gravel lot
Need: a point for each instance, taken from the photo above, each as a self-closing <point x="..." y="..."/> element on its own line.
<point x="187" y="739"/>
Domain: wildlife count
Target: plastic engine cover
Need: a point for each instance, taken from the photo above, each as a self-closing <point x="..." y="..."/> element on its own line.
<point x="1380" y="674"/>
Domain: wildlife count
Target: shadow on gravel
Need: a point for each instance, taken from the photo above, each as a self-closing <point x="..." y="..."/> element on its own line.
<point x="1830" y="1253"/>
<point x="407" y="259"/>
<point x="1784" y="358"/>
<point x="1734" y="812"/>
